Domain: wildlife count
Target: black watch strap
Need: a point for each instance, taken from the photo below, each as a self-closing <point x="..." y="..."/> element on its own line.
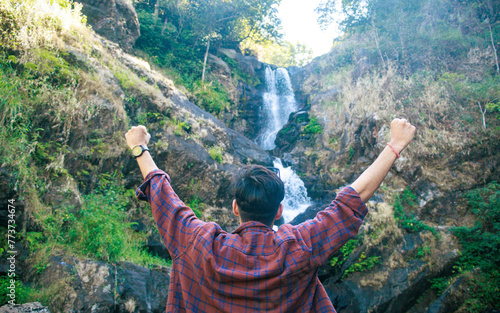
<point x="138" y="150"/>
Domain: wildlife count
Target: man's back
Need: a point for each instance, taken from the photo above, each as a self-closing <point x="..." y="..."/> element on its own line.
<point x="214" y="271"/>
<point x="254" y="268"/>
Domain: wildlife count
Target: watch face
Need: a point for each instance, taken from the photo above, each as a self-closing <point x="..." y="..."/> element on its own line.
<point x="137" y="150"/>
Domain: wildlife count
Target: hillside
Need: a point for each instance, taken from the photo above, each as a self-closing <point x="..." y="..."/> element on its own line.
<point x="73" y="83"/>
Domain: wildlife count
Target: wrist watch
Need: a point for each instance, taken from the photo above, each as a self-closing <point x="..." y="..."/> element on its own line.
<point x="138" y="150"/>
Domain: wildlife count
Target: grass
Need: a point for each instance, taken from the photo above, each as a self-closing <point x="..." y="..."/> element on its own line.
<point x="406" y="201"/>
<point x="40" y="106"/>
<point x="216" y="153"/>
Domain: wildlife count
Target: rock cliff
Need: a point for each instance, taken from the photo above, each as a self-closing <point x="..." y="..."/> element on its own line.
<point x="405" y="244"/>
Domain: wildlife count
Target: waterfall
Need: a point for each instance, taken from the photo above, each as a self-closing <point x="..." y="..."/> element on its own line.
<point x="278" y="103"/>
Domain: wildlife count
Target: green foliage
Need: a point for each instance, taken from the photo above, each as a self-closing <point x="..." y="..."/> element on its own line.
<point x="480" y="256"/>
<point x="240" y="74"/>
<point x="423" y="251"/>
<point x="277" y="52"/>
<point x="483" y="239"/>
<point x="406" y="202"/>
<point x="95" y="230"/>
<point x="212" y="96"/>
<point x="216" y="153"/>
<point x="465" y="90"/>
<point x="175" y="36"/>
<point x="481" y="247"/>
<point x="21" y="28"/>
<point x="224" y="23"/>
<point x="345" y="251"/>
<point x="101" y="229"/>
<point x="124" y="78"/>
<point x="415" y="34"/>
<point x="440" y="284"/>
<point x="181" y="126"/>
<point x="313" y="127"/>
<point x="195" y="204"/>
<point x="362" y="265"/>
<point x="22" y="293"/>
<point x="351" y="154"/>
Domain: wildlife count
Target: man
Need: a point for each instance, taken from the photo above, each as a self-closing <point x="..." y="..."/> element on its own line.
<point x="255" y="268"/>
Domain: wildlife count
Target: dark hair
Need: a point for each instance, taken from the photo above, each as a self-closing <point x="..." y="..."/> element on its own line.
<point x="258" y="192"/>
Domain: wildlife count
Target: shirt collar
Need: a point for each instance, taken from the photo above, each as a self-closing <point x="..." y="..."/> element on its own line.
<point x="252" y="225"/>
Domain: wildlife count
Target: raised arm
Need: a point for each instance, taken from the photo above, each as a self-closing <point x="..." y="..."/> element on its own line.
<point x="176" y="222"/>
<point x="138" y="135"/>
<point x="402" y="134"/>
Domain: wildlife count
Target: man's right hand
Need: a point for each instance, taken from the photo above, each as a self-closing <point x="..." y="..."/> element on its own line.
<point x="137" y="135"/>
<point x="402" y="133"/>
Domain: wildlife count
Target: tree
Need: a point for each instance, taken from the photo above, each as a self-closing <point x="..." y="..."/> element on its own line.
<point x="488" y="12"/>
<point x="202" y="25"/>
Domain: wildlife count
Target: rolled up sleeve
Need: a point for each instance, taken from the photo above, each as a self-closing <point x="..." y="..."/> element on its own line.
<point x="175" y="221"/>
<point x="334" y="226"/>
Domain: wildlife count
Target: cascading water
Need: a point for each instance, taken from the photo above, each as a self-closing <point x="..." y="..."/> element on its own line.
<point x="279" y="103"/>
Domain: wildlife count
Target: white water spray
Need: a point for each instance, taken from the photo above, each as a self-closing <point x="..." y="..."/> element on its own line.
<point x="279" y="103"/>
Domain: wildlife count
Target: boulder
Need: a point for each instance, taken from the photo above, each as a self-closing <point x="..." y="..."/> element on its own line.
<point x="451" y="300"/>
<point x="34" y="307"/>
<point x="91" y="286"/>
<point x="115" y="20"/>
<point x="397" y="283"/>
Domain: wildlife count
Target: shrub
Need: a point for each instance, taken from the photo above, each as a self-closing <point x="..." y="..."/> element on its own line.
<point x="20" y="28"/>
<point x="346" y="250"/>
<point x="313" y="127"/>
<point x="195" y="204"/>
<point x="362" y="265"/>
<point x="407" y="221"/>
<point x="100" y="230"/>
<point x="211" y="96"/>
<point x="216" y="153"/>
<point x="481" y="248"/>
<point x="22" y="293"/>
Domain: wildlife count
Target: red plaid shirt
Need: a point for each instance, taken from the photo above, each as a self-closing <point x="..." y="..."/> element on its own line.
<point x="253" y="268"/>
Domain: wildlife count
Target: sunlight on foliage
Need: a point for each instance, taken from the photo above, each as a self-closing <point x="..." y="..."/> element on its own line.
<point x="24" y="28"/>
<point x="280" y="53"/>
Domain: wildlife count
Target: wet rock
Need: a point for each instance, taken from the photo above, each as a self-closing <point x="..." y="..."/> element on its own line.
<point x="248" y="115"/>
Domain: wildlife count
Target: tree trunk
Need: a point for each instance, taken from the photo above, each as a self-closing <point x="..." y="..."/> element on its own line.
<point x="157" y="10"/>
<point x="483" y="112"/>
<point x="493" y="45"/>
<point x="378" y="46"/>
<point x="205" y="62"/>
<point x="164" y="26"/>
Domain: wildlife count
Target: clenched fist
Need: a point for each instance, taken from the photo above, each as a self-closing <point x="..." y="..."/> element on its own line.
<point x="137" y="135"/>
<point x="402" y="133"/>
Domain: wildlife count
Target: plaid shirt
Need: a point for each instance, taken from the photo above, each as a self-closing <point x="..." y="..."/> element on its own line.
<point x="253" y="268"/>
